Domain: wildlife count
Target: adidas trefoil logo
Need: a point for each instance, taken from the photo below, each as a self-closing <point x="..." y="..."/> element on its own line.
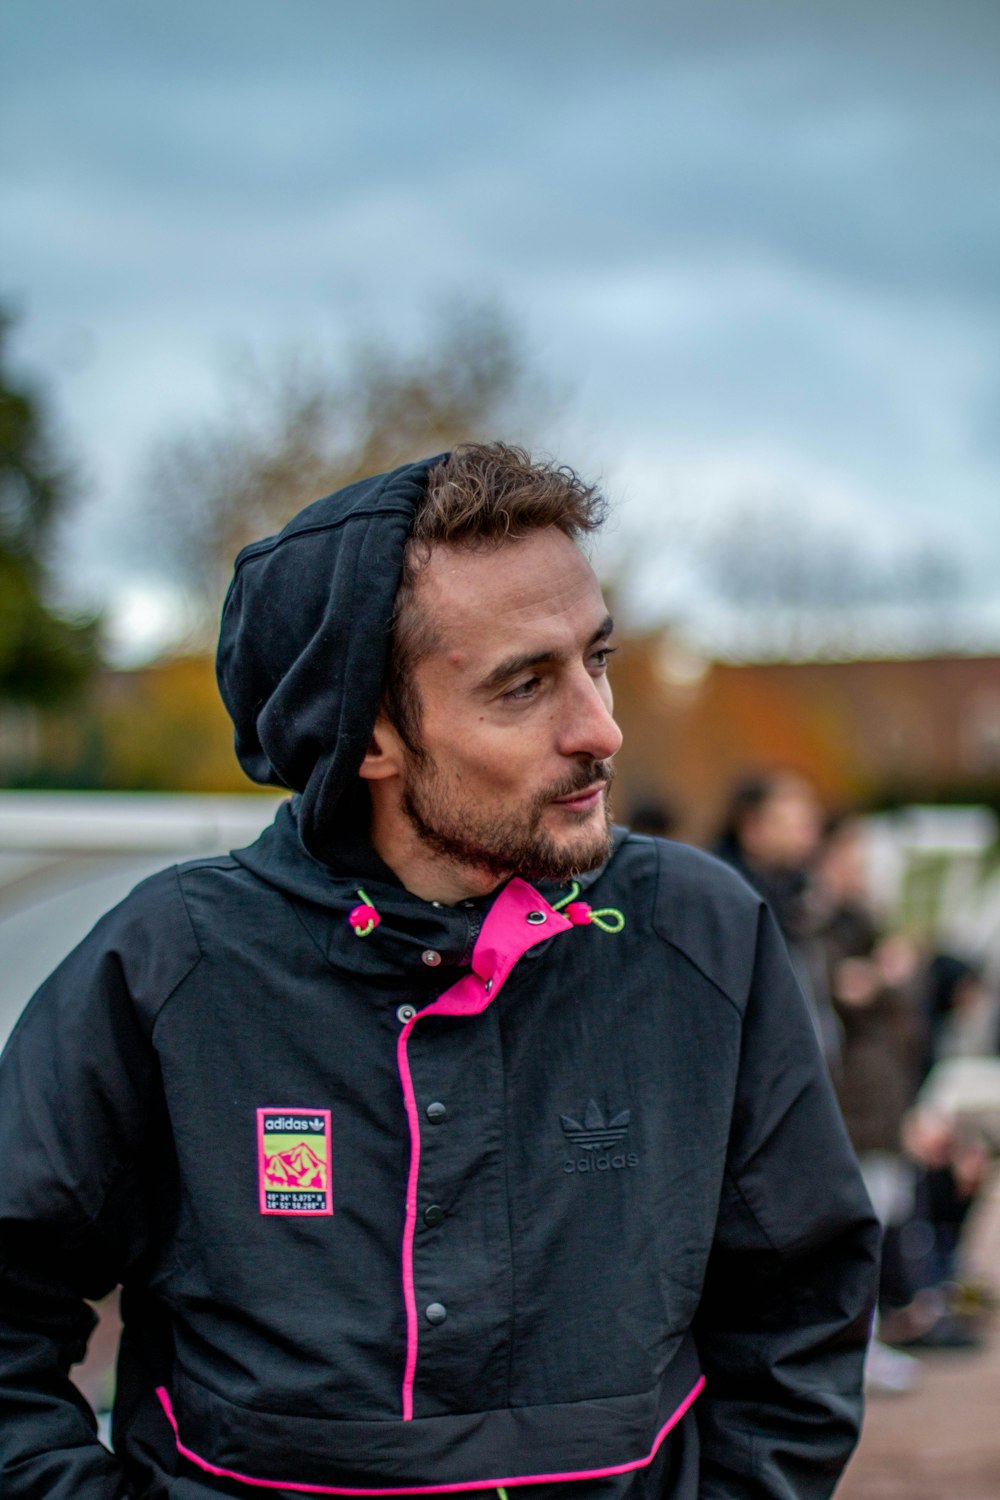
<point x="593" y="1134"/>
<point x="598" y="1139"/>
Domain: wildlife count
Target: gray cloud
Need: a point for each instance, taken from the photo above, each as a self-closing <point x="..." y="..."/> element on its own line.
<point x="761" y="226"/>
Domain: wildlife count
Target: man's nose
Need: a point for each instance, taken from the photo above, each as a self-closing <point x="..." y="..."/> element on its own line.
<point x="592" y="730"/>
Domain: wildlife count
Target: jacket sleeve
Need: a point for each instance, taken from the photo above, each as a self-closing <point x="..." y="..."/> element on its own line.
<point x="786" y="1307"/>
<point x="78" y="1092"/>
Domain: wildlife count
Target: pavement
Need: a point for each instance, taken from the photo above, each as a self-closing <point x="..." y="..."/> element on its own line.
<point x="941" y="1441"/>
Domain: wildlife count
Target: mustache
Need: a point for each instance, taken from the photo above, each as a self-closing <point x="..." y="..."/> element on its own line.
<point x="597" y="770"/>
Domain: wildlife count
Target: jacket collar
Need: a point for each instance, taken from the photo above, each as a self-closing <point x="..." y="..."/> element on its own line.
<point x="409" y="930"/>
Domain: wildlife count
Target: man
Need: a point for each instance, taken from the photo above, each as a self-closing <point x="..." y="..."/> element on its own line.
<point x="444" y="1140"/>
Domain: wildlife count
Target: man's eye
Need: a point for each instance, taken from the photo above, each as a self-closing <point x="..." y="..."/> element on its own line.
<point x="524" y="689"/>
<point x="602" y="656"/>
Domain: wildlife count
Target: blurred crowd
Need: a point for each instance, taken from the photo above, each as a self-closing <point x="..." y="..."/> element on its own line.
<point x="903" y="1028"/>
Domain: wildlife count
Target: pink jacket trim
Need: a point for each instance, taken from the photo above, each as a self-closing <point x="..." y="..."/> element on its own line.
<point x="432" y="1489"/>
<point x="409" y="1225"/>
<point x="506" y="936"/>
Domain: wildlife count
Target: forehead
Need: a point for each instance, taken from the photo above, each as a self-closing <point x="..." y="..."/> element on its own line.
<point x="536" y="593"/>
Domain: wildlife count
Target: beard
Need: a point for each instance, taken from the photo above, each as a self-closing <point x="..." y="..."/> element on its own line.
<point x="513" y="841"/>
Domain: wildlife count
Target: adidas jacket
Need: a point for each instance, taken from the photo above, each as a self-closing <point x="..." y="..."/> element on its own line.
<point x="546" y="1191"/>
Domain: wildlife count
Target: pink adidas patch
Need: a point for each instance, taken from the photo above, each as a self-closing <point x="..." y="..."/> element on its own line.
<point x="293" y="1161"/>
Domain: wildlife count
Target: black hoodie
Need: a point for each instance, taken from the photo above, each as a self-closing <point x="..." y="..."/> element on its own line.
<point x="546" y="1190"/>
<point x="630" y="1174"/>
<point x="304" y="639"/>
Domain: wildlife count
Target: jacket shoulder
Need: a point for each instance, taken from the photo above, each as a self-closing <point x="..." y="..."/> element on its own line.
<point x="701" y="906"/>
<point x="154" y="910"/>
<point x="148" y="939"/>
<point x="122" y="972"/>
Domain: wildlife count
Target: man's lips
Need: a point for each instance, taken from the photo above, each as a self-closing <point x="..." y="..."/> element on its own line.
<point x="583" y="801"/>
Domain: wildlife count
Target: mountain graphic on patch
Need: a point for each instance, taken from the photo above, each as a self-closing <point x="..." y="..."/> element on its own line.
<point x="293" y="1161"/>
<point x="596" y="1134"/>
<point x="300" y="1167"/>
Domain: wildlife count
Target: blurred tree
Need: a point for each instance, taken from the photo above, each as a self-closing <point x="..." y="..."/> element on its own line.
<point x="164" y="728"/>
<point x="43" y="657"/>
<point x="798" y="585"/>
<point x="299" y="430"/>
<point x="149" y="729"/>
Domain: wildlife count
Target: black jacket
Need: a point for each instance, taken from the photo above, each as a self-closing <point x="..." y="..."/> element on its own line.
<point x="367" y="1251"/>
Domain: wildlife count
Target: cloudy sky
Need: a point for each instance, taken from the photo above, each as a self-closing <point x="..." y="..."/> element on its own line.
<point x="757" y="240"/>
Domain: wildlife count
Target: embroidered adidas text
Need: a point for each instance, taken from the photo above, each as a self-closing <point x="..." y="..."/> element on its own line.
<point x="598" y="1138"/>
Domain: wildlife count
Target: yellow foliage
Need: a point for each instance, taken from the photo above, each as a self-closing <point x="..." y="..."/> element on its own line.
<point x="164" y="728"/>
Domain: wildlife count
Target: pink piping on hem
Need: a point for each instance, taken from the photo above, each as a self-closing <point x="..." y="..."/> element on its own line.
<point x="505" y="937"/>
<point x="433" y="1489"/>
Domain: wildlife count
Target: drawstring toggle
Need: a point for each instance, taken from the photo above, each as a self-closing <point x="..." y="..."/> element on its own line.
<point x="364" y="919"/>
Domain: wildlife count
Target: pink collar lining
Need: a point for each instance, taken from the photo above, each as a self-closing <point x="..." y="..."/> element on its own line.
<point x="507" y="934"/>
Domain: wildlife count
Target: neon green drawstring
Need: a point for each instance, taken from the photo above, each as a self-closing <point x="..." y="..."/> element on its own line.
<point x="608" y="918"/>
<point x="364" y="919"/>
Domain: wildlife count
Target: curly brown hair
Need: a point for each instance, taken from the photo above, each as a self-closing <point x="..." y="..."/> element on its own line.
<point x="479" y="497"/>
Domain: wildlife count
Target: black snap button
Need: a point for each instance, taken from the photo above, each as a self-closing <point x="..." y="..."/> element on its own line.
<point x="435" y="1312"/>
<point x="434" y="1216"/>
<point x="405" y="1013"/>
<point x="536" y="918"/>
<point x="431" y="957"/>
<point x="436" y="1112"/>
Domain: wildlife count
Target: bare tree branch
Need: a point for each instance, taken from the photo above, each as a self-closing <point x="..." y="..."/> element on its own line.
<point x="300" y="430"/>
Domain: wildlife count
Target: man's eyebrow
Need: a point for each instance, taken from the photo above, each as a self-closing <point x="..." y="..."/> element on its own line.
<point x="515" y="664"/>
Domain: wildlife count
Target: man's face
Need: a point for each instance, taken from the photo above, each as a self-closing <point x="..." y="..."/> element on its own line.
<point x="515" y="711"/>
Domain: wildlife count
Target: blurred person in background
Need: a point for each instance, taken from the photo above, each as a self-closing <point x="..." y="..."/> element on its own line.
<point x="952" y="1156"/>
<point x="952" y="1162"/>
<point x="872" y="985"/>
<point x="770" y="833"/>
<point x="872" y="979"/>
<point x="655" y="818"/>
<point x="963" y="1012"/>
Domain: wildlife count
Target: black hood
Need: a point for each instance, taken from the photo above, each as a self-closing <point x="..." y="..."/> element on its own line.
<point x="304" y="641"/>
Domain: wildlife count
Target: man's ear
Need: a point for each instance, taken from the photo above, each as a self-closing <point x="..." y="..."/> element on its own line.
<point x="386" y="752"/>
